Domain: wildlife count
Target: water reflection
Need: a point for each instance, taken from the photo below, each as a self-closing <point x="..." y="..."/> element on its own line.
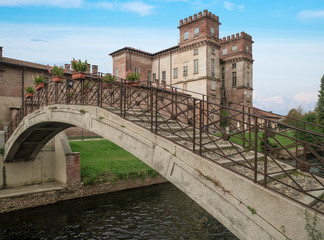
<point x="157" y="212"/>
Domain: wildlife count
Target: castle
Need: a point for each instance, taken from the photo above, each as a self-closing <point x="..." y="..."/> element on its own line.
<point x="221" y="68"/>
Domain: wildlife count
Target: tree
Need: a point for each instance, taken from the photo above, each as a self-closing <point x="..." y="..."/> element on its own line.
<point x="320" y="102"/>
<point x="293" y="114"/>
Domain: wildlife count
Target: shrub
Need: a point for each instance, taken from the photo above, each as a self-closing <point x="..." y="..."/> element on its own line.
<point x="57" y="71"/>
<point x="29" y="89"/>
<point x="79" y="66"/>
<point x="39" y="78"/>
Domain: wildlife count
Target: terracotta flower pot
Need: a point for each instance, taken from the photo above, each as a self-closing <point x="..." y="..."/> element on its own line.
<point x="106" y="85"/>
<point x="28" y="95"/>
<point x="57" y="79"/>
<point x="78" y="75"/>
<point x="39" y="86"/>
<point x="132" y="84"/>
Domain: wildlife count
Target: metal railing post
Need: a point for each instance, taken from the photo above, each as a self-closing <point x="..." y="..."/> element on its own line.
<point x="265" y="140"/>
<point x="194" y="126"/>
<point x="200" y="127"/>
<point x="256" y="149"/>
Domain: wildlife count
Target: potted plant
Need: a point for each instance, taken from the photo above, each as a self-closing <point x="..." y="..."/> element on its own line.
<point x="57" y="74"/>
<point x="85" y="87"/>
<point x="133" y="77"/>
<point x="80" y="68"/>
<point x="70" y="93"/>
<point x="39" y="81"/>
<point x="29" y="91"/>
<point x="107" y="81"/>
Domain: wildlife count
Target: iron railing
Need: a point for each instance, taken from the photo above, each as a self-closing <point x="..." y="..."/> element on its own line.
<point x="284" y="158"/>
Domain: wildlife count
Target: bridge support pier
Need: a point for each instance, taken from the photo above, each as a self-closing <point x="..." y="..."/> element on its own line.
<point x="54" y="163"/>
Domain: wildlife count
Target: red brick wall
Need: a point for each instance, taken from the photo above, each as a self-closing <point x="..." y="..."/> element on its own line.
<point x="73" y="168"/>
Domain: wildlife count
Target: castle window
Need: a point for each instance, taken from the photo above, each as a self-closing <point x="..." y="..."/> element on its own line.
<point x="233" y="65"/>
<point x="223" y="76"/>
<point x="116" y="72"/>
<point x="248" y="94"/>
<point x="212" y="67"/>
<point x="196" y="32"/>
<point x="136" y="70"/>
<point x="212" y="32"/>
<point x="248" y="65"/>
<point x="196" y="66"/>
<point x="234" y="48"/>
<point x="213" y="51"/>
<point x="224" y="51"/>
<point x="175" y="72"/>
<point x="149" y="75"/>
<point x="247" y="49"/>
<point x="154" y="77"/>
<point x="233" y="79"/>
<point x="196" y="52"/>
<point x="213" y="85"/>
<point x="185" y="70"/>
<point x="185" y="36"/>
<point x="164" y="75"/>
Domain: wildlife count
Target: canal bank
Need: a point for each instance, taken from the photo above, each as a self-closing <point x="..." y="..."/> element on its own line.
<point x="49" y="193"/>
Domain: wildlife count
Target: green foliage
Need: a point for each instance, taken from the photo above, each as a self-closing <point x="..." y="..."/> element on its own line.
<point x="29" y="89"/>
<point x="224" y="120"/>
<point x="70" y="93"/>
<point x="1" y="151"/>
<point x="310" y="227"/>
<point x="109" y="78"/>
<point x="39" y="78"/>
<point x="294" y="114"/>
<point x="85" y="85"/>
<point x="253" y="211"/>
<point x="320" y="102"/>
<point x="102" y="159"/>
<point x="79" y="66"/>
<point x="57" y="71"/>
<point x="133" y="76"/>
<point x="270" y="145"/>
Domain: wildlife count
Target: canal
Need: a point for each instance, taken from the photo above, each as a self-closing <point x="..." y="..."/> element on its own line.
<point x="156" y="212"/>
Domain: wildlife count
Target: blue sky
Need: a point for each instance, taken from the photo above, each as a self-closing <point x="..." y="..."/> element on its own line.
<point x="288" y="35"/>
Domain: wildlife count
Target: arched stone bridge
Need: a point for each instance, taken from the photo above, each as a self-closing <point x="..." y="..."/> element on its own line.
<point x="213" y="153"/>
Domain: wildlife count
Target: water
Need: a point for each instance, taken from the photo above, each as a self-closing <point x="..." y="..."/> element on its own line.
<point x="156" y="212"/>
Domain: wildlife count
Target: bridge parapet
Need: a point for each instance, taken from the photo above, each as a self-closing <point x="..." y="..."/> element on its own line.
<point x="280" y="157"/>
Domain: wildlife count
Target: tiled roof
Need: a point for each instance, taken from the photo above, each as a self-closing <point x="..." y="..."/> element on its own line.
<point x="23" y="63"/>
<point x="263" y="113"/>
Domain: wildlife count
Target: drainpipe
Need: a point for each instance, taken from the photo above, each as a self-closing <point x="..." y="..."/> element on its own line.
<point x="4" y="177"/>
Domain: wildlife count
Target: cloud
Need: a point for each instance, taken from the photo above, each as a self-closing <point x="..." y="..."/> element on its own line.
<point x="141" y="8"/>
<point x="138" y="7"/>
<point x="231" y="6"/>
<point x="311" y="14"/>
<point x="37" y="3"/>
<point x="282" y="104"/>
<point x="37" y="40"/>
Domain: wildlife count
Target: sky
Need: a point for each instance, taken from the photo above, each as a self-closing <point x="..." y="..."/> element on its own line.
<point x="288" y="35"/>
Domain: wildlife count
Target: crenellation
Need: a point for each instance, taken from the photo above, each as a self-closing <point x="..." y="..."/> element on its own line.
<point x="185" y="20"/>
<point x="190" y="18"/>
<point x="181" y="22"/>
<point x="205" y="12"/>
<point x="199" y="14"/>
<point x="195" y="16"/>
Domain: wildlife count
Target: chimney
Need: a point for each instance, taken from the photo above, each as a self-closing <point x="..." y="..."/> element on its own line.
<point x="88" y="69"/>
<point x="67" y="67"/>
<point x="1" y="52"/>
<point x="94" y="69"/>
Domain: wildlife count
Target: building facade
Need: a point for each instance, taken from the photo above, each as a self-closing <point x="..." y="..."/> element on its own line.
<point x="221" y="68"/>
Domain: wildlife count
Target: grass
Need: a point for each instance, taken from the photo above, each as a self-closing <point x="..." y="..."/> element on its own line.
<point x="103" y="161"/>
<point x="84" y="137"/>
<point x="284" y="141"/>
